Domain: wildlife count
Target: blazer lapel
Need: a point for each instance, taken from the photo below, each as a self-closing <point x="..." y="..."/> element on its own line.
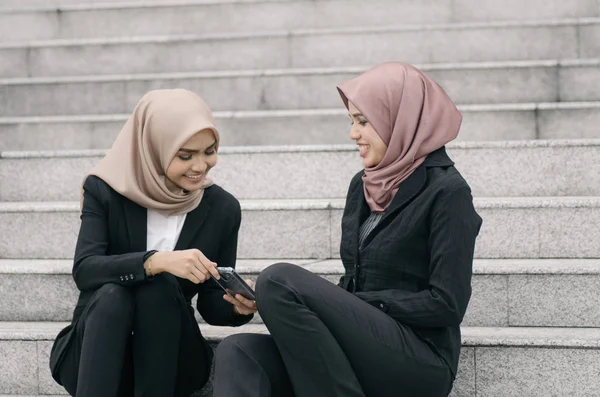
<point x="361" y="212"/>
<point x="192" y="224"/>
<point x="409" y="188"/>
<point x="136" y="218"/>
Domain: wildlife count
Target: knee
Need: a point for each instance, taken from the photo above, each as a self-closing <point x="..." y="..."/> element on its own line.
<point x="253" y="357"/>
<point x="112" y="301"/>
<point x="231" y="348"/>
<point x="279" y="273"/>
<point x="276" y="287"/>
<point x="241" y="356"/>
<point x="161" y="292"/>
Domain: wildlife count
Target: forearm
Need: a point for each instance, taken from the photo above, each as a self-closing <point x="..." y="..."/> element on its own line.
<point x="427" y="308"/>
<point x="93" y="271"/>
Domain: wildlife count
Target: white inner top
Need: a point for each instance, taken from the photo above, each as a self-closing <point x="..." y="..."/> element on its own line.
<point x="163" y="231"/>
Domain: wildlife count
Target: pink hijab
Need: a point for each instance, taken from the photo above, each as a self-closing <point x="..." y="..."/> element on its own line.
<point x="411" y="113"/>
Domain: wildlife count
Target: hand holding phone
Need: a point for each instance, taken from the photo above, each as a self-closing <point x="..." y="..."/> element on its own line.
<point x="239" y="293"/>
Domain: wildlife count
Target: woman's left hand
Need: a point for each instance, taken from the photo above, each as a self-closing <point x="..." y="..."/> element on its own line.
<point x="241" y="305"/>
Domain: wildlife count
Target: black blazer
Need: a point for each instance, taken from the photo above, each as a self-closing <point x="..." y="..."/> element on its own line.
<point x="111" y="248"/>
<point x="416" y="265"/>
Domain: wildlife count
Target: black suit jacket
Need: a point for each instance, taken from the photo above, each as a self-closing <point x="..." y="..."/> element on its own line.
<point x="416" y="265"/>
<point x="111" y="248"/>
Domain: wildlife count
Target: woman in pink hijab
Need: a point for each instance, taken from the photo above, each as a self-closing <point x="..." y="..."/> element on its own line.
<point x="392" y="325"/>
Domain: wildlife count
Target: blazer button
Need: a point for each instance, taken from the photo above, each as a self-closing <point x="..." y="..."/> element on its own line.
<point x="122" y="278"/>
<point x="132" y="276"/>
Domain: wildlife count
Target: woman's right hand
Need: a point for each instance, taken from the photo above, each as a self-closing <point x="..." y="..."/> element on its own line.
<point x="189" y="264"/>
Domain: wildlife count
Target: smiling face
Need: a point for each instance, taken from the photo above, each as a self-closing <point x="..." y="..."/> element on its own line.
<point x="192" y="162"/>
<point x="371" y="146"/>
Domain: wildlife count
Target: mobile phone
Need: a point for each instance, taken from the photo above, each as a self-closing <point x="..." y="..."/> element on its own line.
<point x="233" y="284"/>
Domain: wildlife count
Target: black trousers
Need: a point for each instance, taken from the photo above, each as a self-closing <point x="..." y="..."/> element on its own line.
<point x="325" y="342"/>
<point x="136" y="341"/>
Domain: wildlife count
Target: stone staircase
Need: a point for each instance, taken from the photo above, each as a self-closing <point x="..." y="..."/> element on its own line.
<point x="526" y="76"/>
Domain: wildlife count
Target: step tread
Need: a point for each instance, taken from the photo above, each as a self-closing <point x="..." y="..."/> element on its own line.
<point x="329" y="204"/>
<point x="140" y="4"/>
<point x="277" y="72"/>
<point x="49" y="330"/>
<point x="281" y="113"/>
<point x="334" y="266"/>
<point x="472" y="336"/>
<point x="299" y="149"/>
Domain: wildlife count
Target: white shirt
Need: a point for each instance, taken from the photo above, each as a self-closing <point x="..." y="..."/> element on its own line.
<point x="163" y="231"/>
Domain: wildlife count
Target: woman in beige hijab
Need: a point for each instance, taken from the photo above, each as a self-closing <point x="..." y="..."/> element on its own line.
<point x="153" y="229"/>
<point x="392" y="325"/>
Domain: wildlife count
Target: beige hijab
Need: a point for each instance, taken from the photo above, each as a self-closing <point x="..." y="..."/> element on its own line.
<point x="136" y="164"/>
<point x="411" y="113"/>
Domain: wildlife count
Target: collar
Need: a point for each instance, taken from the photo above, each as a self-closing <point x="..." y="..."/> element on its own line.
<point x="438" y="158"/>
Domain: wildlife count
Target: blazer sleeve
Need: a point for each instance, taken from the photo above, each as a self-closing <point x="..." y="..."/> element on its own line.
<point x="454" y="229"/>
<point x="212" y="307"/>
<point x="92" y="267"/>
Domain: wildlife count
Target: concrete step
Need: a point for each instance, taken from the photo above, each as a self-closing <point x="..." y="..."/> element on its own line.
<point x="570" y="120"/>
<point x="25" y="348"/>
<point x="506" y="292"/>
<point x="535" y="227"/>
<point x="183" y="17"/>
<point x="312" y="88"/>
<point x="489" y="41"/>
<point x="493" y="169"/>
<point x="49" y="4"/>
<point x="498" y="362"/>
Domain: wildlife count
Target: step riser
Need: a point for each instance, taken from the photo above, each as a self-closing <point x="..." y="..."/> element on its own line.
<point x="248" y="17"/>
<point x="477" y="85"/>
<point x="245" y="17"/>
<point x="299" y="234"/>
<point x="431" y="46"/>
<point x="579" y="123"/>
<point x="483" y="371"/>
<point x="497" y="300"/>
<point x="509" y="372"/>
<point x="491" y="172"/>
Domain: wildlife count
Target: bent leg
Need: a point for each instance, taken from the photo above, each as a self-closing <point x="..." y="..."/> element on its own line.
<point x="169" y="353"/>
<point x="249" y="365"/>
<point x="335" y="344"/>
<point x="94" y="361"/>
